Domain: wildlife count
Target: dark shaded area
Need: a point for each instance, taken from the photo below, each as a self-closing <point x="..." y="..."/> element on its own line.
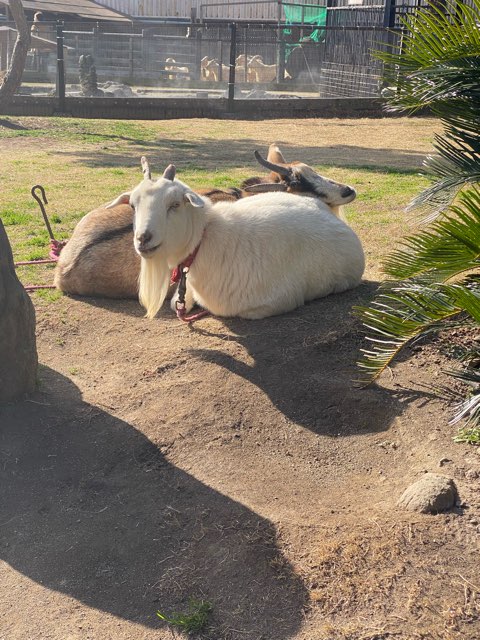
<point x="8" y="124"/>
<point x="304" y="362"/>
<point x="227" y="154"/>
<point x="93" y="509"/>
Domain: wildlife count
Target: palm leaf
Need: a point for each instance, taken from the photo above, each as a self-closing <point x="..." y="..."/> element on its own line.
<point x="439" y="67"/>
<point x="468" y="409"/>
<point x="449" y="247"/>
<point x="407" y="311"/>
<point x="439" y="57"/>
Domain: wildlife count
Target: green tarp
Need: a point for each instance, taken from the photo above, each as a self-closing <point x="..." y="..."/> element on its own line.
<point x="306" y="14"/>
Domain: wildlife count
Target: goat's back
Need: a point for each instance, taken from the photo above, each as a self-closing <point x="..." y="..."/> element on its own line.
<point x="99" y="259"/>
<point x="270" y="254"/>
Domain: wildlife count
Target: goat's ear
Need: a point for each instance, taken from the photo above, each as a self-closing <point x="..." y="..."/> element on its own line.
<point x="194" y="199"/>
<point x="123" y="199"/>
<point x="265" y="187"/>
<point x="275" y="155"/>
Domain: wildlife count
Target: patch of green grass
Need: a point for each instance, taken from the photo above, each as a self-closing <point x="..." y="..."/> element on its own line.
<point x="468" y="435"/>
<point x="77" y="130"/>
<point x="36" y="254"/>
<point x="193" y="621"/>
<point x="50" y="295"/>
<point x="37" y="241"/>
<point x="11" y="218"/>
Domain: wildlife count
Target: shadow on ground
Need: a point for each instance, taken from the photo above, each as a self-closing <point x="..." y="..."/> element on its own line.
<point x="93" y="509"/>
<point x="219" y="154"/>
<point x="305" y="363"/>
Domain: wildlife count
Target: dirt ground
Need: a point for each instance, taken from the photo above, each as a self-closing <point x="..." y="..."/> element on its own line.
<point x="233" y="461"/>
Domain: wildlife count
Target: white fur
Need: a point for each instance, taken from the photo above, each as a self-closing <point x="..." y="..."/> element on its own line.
<point x="258" y="257"/>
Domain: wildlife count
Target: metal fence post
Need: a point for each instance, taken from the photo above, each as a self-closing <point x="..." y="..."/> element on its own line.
<point x="131" y="61"/>
<point x="280" y="57"/>
<point x="280" y="45"/>
<point x="389" y="14"/>
<point x="233" y="55"/>
<point x="198" y="55"/>
<point x="60" y="84"/>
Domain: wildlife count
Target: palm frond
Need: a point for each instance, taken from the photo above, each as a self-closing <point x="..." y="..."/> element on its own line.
<point x="439" y="67"/>
<point x="457" y="165"/>
<point x="439" y="58"/>
<point x="448" y="247"/>
<point x="468" y="409"/>
<point x="407" y="311"/>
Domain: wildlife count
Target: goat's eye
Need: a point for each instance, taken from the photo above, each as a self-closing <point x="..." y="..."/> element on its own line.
<point x="173" y="206"/>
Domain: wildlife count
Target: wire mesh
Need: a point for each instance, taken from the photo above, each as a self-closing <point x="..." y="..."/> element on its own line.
<point x="192" y="59"/>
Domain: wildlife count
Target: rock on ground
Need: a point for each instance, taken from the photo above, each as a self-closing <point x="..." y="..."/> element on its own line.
<point x="18" y="352"/>
<point x="431" y="494"/>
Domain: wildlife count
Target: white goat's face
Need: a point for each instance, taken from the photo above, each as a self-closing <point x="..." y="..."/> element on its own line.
<point x="161" y="213"/>
<point x="304" y="178"/>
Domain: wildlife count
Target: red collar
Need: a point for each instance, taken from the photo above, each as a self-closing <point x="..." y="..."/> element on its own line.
<point x="187" y="263"/>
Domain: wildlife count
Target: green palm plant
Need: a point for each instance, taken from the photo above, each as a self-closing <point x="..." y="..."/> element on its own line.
<point x="439" y="68"/>
<point x="432" y="282"/>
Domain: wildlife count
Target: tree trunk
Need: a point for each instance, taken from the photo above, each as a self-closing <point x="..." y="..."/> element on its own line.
<point x="13" y="77"/>
<point x="18" y="352"/>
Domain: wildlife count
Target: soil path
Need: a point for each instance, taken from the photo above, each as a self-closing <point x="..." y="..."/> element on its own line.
<point x="232" y="461"/>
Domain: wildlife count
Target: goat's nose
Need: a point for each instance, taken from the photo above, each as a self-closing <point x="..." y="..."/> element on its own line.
<point x="144" y="238"/>
<point x="347" y="192"/>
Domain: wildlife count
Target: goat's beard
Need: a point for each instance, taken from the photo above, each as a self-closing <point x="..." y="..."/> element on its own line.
<point x="154" y="281"/>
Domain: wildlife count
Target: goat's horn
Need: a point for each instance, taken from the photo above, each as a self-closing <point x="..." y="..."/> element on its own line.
<point x="278" y="168"/>
<point x="146" y="169"/>
<point x="169" y="173"/>
<point x="265" y="187"/>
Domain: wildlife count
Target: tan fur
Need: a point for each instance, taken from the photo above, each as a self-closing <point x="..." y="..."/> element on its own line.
<point x="109" y="269"/>
<point x="171" y="65"/>
<point x="262" y="72"/>
<point x="213" y="69"/>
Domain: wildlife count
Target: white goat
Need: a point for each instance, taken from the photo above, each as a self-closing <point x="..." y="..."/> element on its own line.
<point x="262" y="72"/>
<point x="204" y="70"/>
<point x="241" y="64"/>
<point x="213" y="69"/>
<point x="171" y="65"/>
<point x="256" y="257"/>
<point x="100" y="260"/>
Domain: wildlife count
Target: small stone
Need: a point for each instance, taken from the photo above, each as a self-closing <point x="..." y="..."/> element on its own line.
<point x="472" y="474"/>
<point x="443" y="461"/>
<point x="431" y="494"/>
